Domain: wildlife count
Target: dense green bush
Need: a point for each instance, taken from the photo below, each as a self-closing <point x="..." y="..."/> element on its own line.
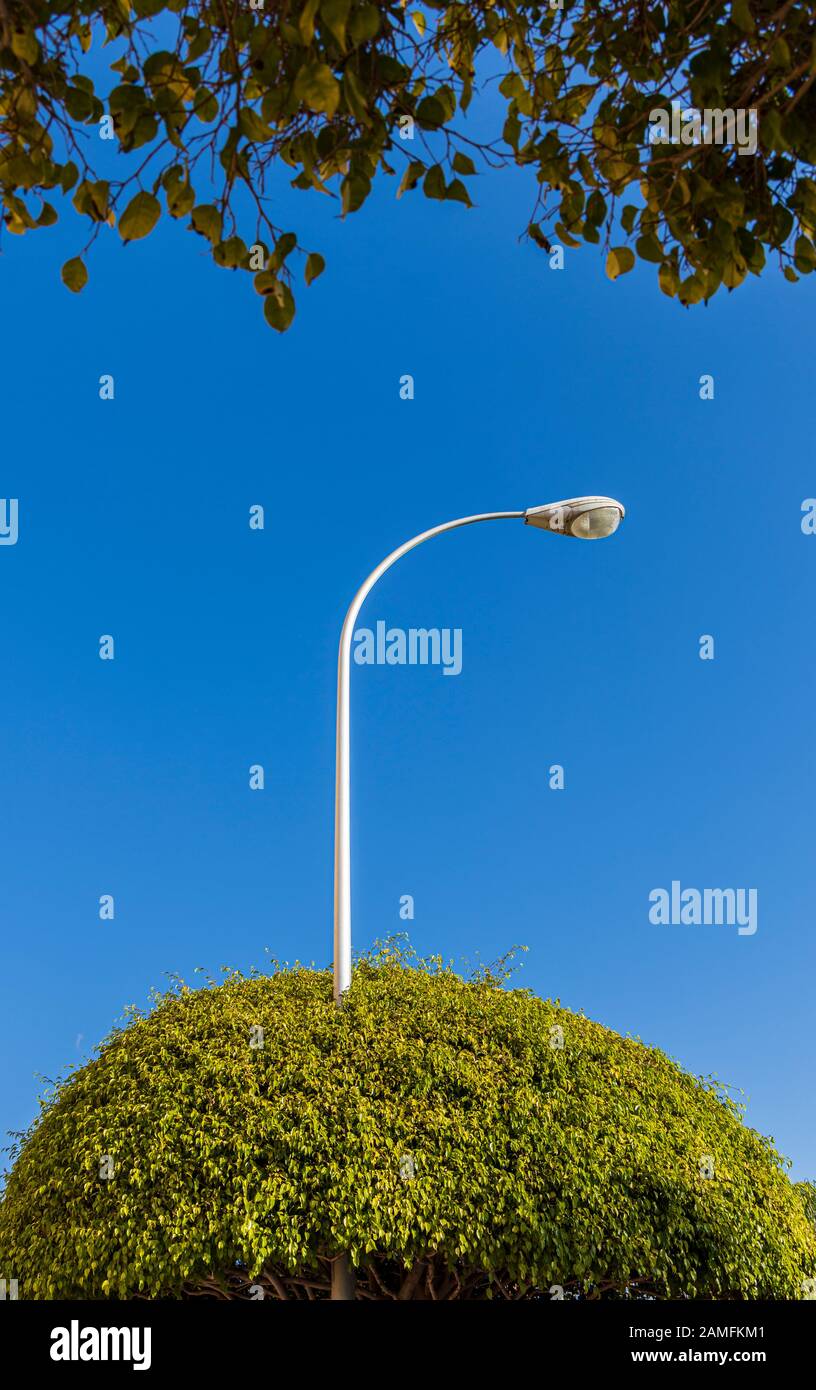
<point x="459" y="1138"/>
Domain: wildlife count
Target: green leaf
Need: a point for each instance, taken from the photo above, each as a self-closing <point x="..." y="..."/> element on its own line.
<point x="512" y="131"/>
<point x="668" y="279"/>
<point x="336" y="13"/>
<point x="446" y="97"/>
<point x="365" y="24"/>
<point x="24" y="44"/>
<point x="742" y="17"/>
<point x="206" y="220"/>
<point x="180" y="198"/>
<point x="691" y="290"/>
<point x="649" y="249"/>
<point x="144" y="131"/>
<point x="68" y="176"/>
<point x="252" y="126"/>
<point x="315" y="265"/>
<point x="619" y="261"/>
<point x="734" y="272"/>
<point x="127" y="97"/>
<point x="457" y="193"/>
<point x="596" y="208"/>
<point x="430" y="113"/>
<point x="79" y="104"/>
<point x="139" y="217"/>
<point x="463" y="164"/>
<point x="92" y="199"/>
<point x="804" y="255"/>
<point x="231" y="253"/>
<point x="74" y="274"/>
<point x="318" y="88"/>
<point x="355" y="97"/>
<point x="433" y="184"/>
<point x="391" y="72"/>
<point x="534" y="231"/>
<point x="279" y="307"/>
<point x="265" y="281"/>
<point x="205" y="106"/>
<point x="512" y="86"/>
<point x="411" y="177"/>
<point x="355" y="188"/>
<point x="306" y="21"/>
<point x="284" y="246"/>
<point x="199" y="43"/>
<point x="566" y="236"/>
<point x="419" y="22"/>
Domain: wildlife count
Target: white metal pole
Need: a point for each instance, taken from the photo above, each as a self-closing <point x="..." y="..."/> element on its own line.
<point x="342" y="1279"/>
<point x="342" y="786"/>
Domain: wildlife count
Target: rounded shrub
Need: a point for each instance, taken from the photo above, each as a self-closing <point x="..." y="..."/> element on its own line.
<point x="460" y="1139"/>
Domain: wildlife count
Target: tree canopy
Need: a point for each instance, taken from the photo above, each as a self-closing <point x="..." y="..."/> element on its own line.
<point x="460" y="1139"/>
<point x="205" y="101"/>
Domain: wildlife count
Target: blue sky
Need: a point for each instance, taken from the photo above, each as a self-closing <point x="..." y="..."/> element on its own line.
<point x="131" y="777"/>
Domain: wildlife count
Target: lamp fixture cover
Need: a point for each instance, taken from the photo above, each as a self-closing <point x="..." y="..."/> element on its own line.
<point x="587" y="518"/>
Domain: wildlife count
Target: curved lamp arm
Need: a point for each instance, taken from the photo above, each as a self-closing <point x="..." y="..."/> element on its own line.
<point x="342" y="786"/>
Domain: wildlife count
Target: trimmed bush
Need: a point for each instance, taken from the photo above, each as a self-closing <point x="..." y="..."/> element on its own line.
<point x="458" y="1138"/>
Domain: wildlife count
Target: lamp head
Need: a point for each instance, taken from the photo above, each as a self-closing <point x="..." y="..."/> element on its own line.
<point x="588" y="518"/>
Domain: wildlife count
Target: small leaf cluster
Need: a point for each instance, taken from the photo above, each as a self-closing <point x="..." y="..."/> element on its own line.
<point x="430" y="1119"/>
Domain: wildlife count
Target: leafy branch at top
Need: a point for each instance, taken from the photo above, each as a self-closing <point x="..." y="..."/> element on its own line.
<point x="338" y="91"/>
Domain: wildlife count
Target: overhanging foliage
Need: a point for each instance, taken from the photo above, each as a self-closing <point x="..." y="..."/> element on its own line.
<point x="209" y="97"/>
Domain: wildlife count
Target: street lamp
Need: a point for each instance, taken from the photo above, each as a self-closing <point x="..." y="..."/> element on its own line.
<point x="587" y="518"/>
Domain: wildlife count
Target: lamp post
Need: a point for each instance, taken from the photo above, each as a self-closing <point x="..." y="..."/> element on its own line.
<point x="587" y="518"/>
